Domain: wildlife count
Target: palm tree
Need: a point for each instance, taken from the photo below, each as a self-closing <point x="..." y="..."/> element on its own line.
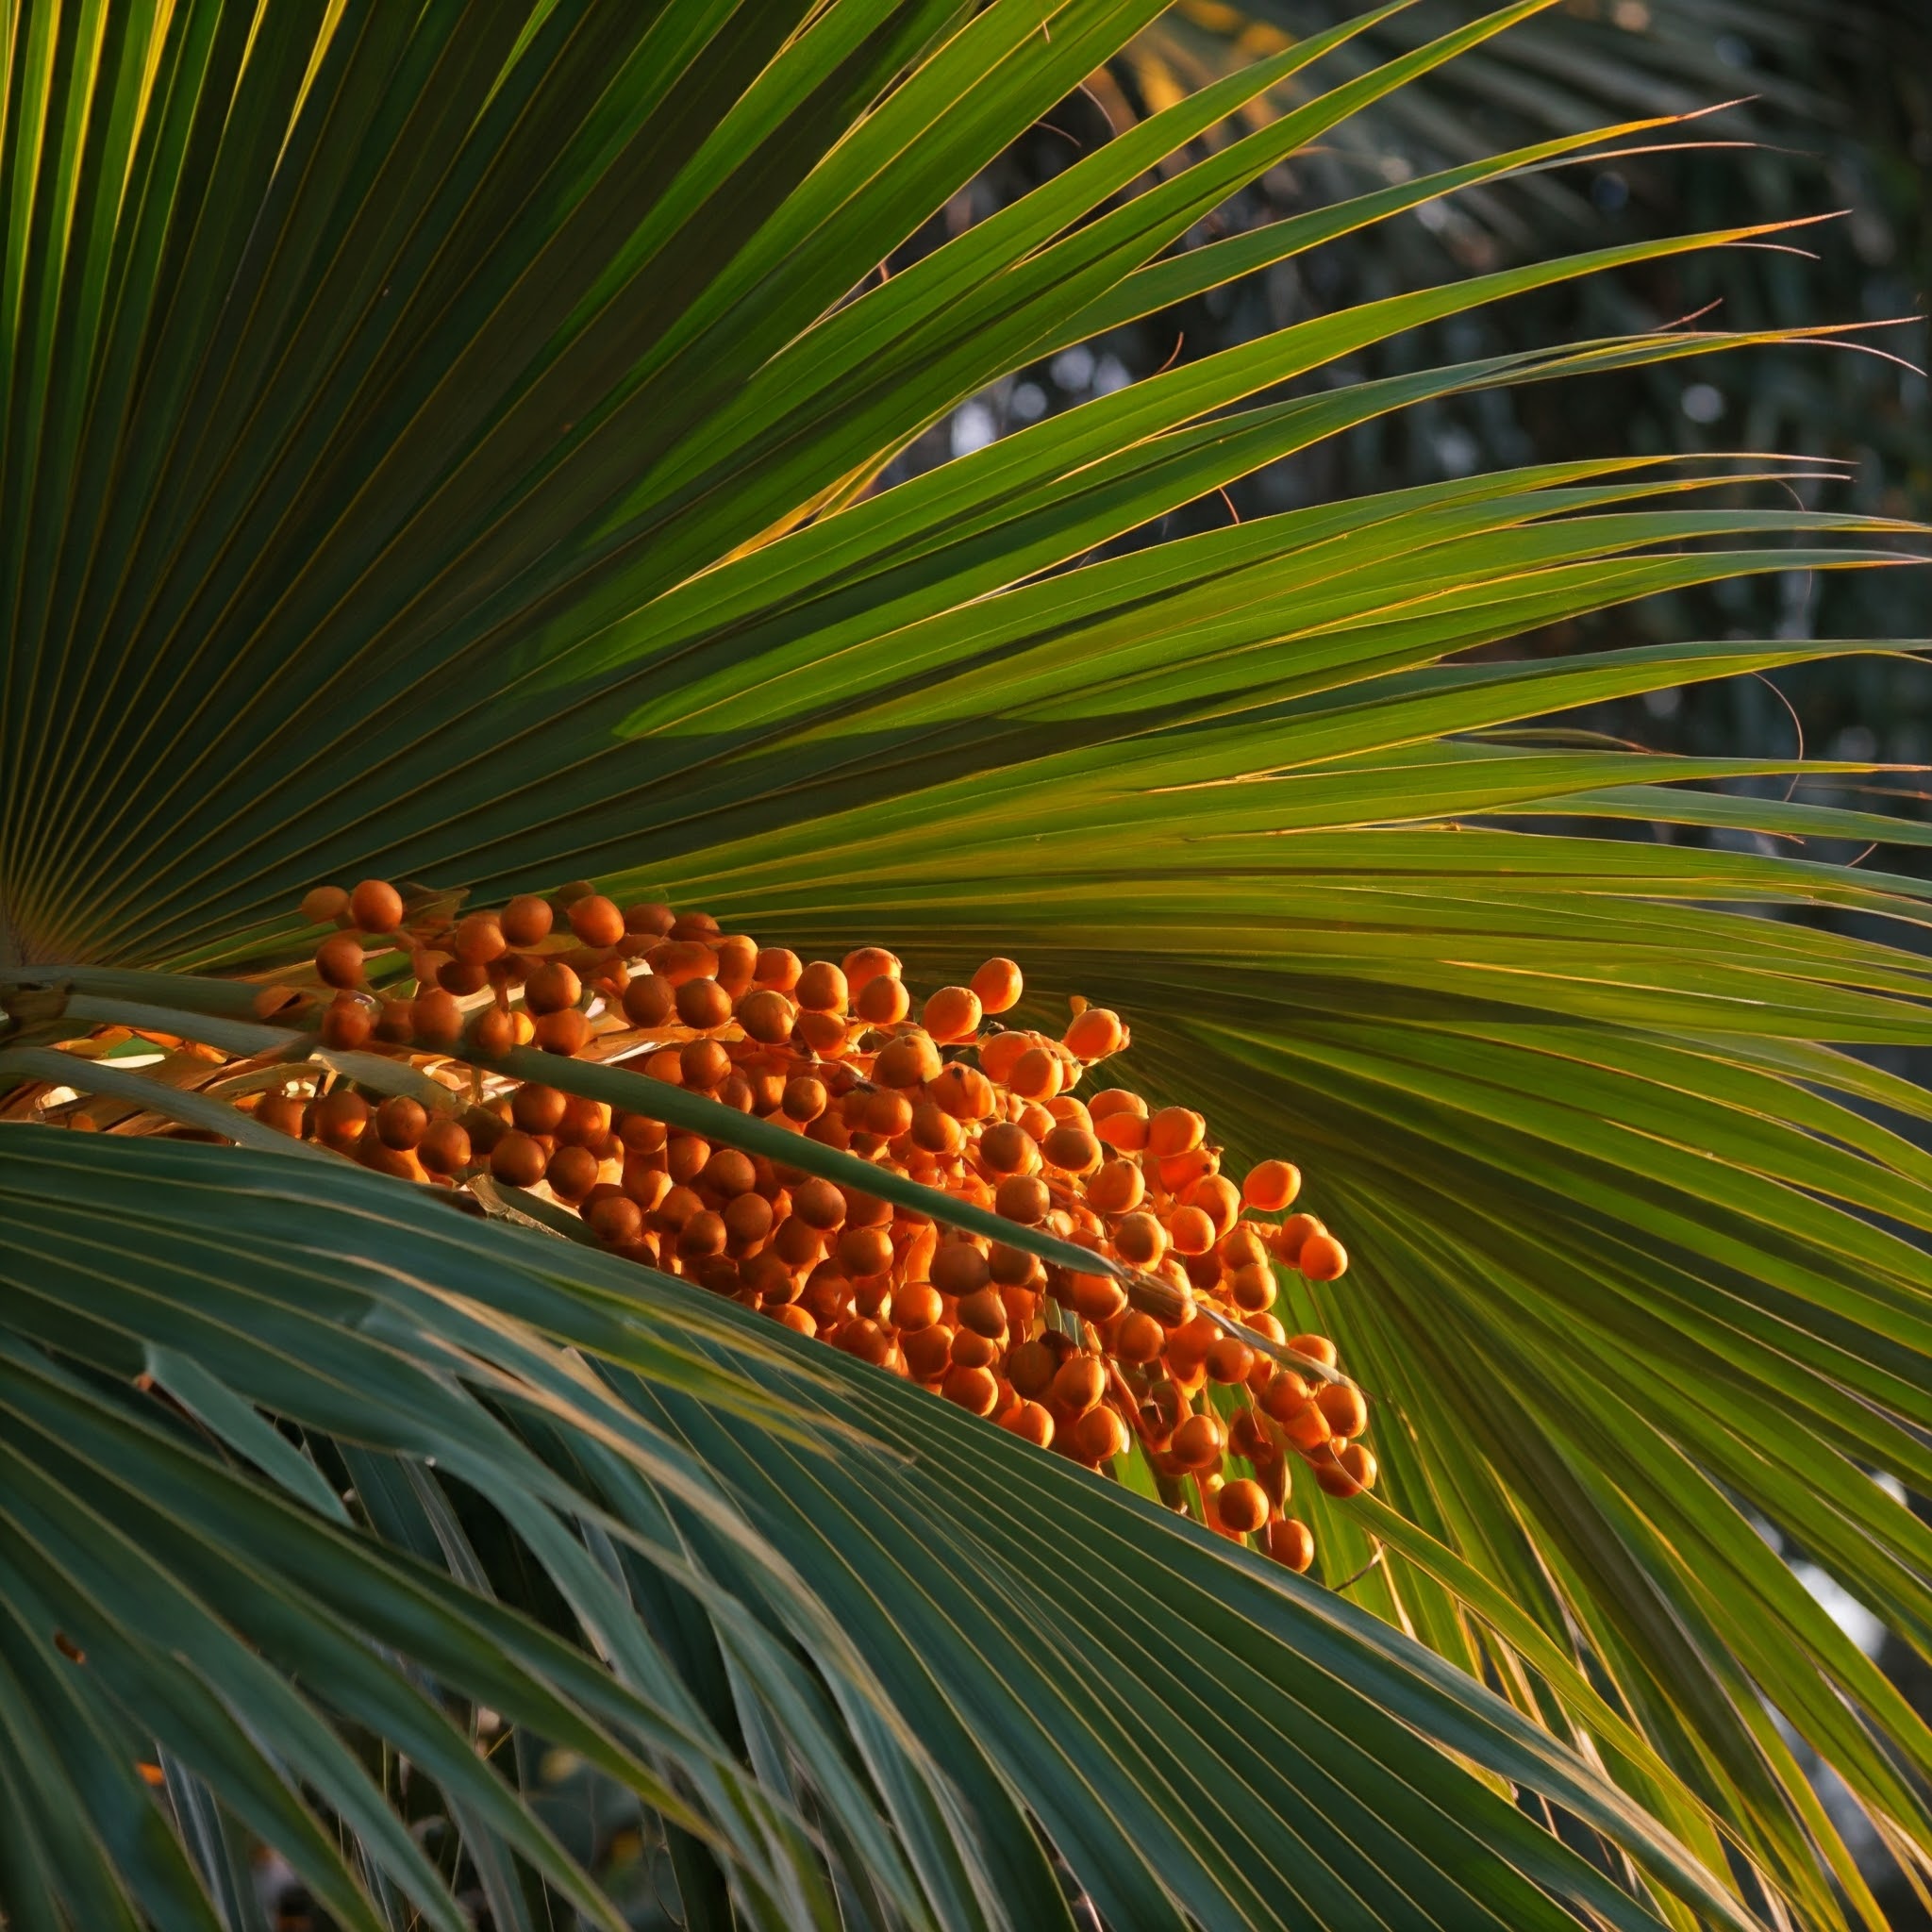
<point x="441" y="444"/>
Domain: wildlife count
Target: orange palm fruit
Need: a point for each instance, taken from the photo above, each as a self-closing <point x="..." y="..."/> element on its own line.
<point x="347" y="1023"/>
<point x="1316" y="1347"/>
<point x="1138" y="1339"/>
<point x="649" y="919"/>
<point x="1244" y="1247"/>
<point x="936" y="1131"/>
<point x="339" y="1116"/>
<point x="704" y="1235"/>
<point x="1113" y="1100"/>
<point x="684" y="1155"/>
<point x="1098" y="1298"/>
<point x="678" y="961"/>
<point x="1307" y="1428"/>
<point x="805" y="1098"/>
<point x="1218" y="1200"/>
<point x="1071" y="1149"/>
<point x="916" y="1304"/>
<point x="883" y="1000"/>
<point x="866" y="1210"/>
<point x="460" y="977"/>
<point x="1116" y="1187"/>
<point x="324" y="904"/>
<point x="1271" y="1185"/>
<point x="864" y="964"/>
<point x="982" y="1312"/>
<point x="818" y="1203"/>
<point x="1323" y="1258"/>
<point x="884" y="1112"/>
<point x="1098" y="1436"/>
<point x="1333" y="1476"/>
<point x="565" y="1032"/>
<point x="1030" y="1368"/>
<point x="478" y="939"/>
<point x="1181" y="1173"/>
<point x="1343" y="1405"/>
<point x="492" y="1034"/>
<point x="285" y="1112"/>
<point x="1289" y="1237"/>
<point x="1079" y="1383"/>
<point x="728" y="1171"/>
<point x="401" y="1122"/>
<point x="1124" y="1132"/>
<point x="975" y="1389"/>
<point x="537" y="1109"/>
<point x="1030" y="1422"/>
<point x="928" y="1351"/>
<point x="790" y="1315"/>
<point x="1006" y="1147"/>
<point x="375" y="906"/>
<point x="907" y="1061"/>
<point x="585" y="1123"/>
<point x="1140" y="1240"/>
<point x="998" y="985"/>
<point x="959" y="1268"/>
<point x="552" y="988"/>
<point x="1174" y="1130"/>
<point x="1240" y="1506"/>
<point x="595" y="920"/>
<point x="396" y="1022"/>
<point x="999" y="1053"/>
<point x="1359" y="1461"/>
<point x="1197" y="1443"/>
<point x="1252" y="1289"/>
<point x="821" y="987"/>
<point x="796" y="1242"/>
<point x="864" y="1337"/>
<point x="704" y="1003"/>
<point x="371" y="1152"/>
<point x="518" y="1161"/>
<point x="738" y="961"/>
<point x="1095" y="1034"/>
<point x="703" y="1064"/>
<point x="765" y="1274"/>
<point x="1288" y="1395"/>
<point x="572" y="1173"/>
<point x="747" y="1221"/>
<point x="1191" y="1231"/>
<point x="339" y="961"/>
<point x="1228" y="1360"/>
<point x="1023" y="1197"/>
<point x="767" y="1016"/>
<point x="777" y="967"/>
<point x="526" y="919"/>
<point x="1291" y="1543"/>
<point x="951" y="1014"/>
<point x="864" y="1250"/>
<point x="436" y="1018"/>
<point x="963" y="1093"/>
<point x="1248" y="1435"/>
<point x="444" y="1147"/>
<point x="1037" y="1075"/>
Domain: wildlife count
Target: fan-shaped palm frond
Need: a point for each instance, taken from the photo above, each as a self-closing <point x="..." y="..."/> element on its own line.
<point x="444" y="443"/>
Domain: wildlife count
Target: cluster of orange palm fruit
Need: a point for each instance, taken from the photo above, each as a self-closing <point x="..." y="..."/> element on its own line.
<point x="1086" y="1363"/>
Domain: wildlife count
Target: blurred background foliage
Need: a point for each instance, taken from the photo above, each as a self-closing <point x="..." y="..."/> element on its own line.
<point x="1823" y="107"/>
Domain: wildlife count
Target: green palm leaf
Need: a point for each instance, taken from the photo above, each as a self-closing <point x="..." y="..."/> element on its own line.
<point x="446" y="442"/>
